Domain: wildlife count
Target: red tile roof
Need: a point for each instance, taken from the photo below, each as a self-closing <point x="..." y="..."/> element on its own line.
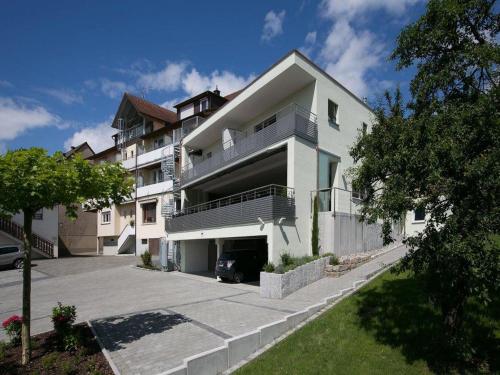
<point x="151" y="109"/>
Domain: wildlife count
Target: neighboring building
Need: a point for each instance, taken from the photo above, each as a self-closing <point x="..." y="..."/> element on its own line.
<point x="250" y="170"/>
<point x="147" y="144"/>
<point x="77" y="236"/>
<point x="44" y="228"/>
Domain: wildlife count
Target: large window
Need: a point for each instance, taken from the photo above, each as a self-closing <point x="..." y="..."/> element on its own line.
<point x="333" y="110"/>
<point x="327" y="169"/>
<point x="106" y="217"/>
<point x="158" y="176"/>
<point x="149" y="213"/>
<point x="158" y="142"/>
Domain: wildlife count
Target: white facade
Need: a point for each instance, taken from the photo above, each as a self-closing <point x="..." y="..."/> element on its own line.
<point x="296" y="82"/>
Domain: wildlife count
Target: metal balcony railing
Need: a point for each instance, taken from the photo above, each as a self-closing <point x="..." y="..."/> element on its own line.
<point x="190" y="124"/>
<point x="267" y="203"/>
<point x="293" y="120"/>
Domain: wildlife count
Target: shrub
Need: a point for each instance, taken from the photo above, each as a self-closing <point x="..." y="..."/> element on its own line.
<point x="146" y="259"/>
<point x="326" y="255"/>
<point x="279" y="269"/>
<point x="286" y="259"/>
<point x="315" y="228"/>
<point x="63" y="318"/>
<point x="3" y="348"/>
<point x="12" y="327"/>
<point x="334" y="260"/>
<point x="68" y="367"/>
<point x="268" y="267"/>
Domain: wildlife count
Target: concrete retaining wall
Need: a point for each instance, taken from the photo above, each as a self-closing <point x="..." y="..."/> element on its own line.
<point x="274" y="285"/>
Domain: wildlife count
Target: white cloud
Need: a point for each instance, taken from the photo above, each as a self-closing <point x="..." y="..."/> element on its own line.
<point x="349" y="54"/>
<point x="114" y="89"/>
<point x="273" y="25"/>
<point x="167" y="79"/>
<point x="4" y="83"/>
<point x="17" y="117"/>
<point x="193" y="83"/>
<point x="97" y="136"/>
<point x="309" y="43"/>
<point x="64" y="95"/>
<point x="349" y="9"/>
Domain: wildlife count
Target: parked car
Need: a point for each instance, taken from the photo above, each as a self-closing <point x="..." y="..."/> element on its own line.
<point x="11" y="255"/>
<point x="239" y="265"/>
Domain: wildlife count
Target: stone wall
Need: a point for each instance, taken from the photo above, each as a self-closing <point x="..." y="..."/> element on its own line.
<point x="274" y="285"/>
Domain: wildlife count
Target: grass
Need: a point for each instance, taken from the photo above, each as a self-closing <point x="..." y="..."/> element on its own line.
<point x="387" y="327"/>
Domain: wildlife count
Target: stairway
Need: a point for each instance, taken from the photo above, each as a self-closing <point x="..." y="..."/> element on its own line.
<point x="39" y="244"/>
<point x="168" y="168"/>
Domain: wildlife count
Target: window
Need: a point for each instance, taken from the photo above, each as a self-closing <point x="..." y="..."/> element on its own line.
<point x="106" y="217"/>
<point x="365" y="128"/>
<point x="158" y="142"/>
<point x="144" y="241"/>
<point x="203" y="104"/>
<point x="419" y="214"/>
<point x="158" y="176"/>
<point x="357" y="194"/>
<point x="38" y="215"/>
<point x="8" y="250"/>
<point x="149" y="213"/>
<point x="131" y="154"/>
<point x="264" y="124"/>
<point x="333" y="109"/>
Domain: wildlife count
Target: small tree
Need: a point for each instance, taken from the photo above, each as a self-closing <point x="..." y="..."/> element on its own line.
<point x="315" y="228"/>
<point x="31" y="180"/>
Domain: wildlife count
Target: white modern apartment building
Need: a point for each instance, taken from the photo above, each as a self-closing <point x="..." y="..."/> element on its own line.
<point x="249" y="171"/>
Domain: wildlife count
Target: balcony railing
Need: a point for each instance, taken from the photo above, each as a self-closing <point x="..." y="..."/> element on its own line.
<point x="131" y="133"/>
<point x="190" y="124"/>
<point x="264" y="203"/>
<point x="293" y="120"/>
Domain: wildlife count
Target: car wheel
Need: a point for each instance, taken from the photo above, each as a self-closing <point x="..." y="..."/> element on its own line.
<point x="18" y="263"/>
<point x="238" y="277"/>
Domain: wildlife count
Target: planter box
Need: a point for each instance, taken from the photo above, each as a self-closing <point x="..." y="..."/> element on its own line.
<point x="274" y="285"/>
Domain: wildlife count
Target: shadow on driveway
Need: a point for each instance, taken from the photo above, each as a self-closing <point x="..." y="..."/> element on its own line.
<point x="117" y="331"/>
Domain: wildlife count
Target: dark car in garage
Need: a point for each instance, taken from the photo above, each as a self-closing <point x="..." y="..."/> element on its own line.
<point x="240" y="265"/>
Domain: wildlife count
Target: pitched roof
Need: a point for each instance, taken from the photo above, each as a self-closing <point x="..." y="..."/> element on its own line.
<point x="75" y="149"/>
<point x="232" y="95"/>
<point x="151" y="109"/>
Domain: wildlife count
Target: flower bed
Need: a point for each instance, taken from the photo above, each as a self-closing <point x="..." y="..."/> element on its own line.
<point x="47" y="358"/>
<point x="275" y="285"/>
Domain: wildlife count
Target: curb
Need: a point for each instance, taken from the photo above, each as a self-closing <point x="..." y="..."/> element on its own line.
<point x="104" y="350"/>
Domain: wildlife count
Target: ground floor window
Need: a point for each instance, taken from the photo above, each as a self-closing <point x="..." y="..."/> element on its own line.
<point x="419" y="214"/>
<point x="144" y="241"/>
<point x="149" y="213"/>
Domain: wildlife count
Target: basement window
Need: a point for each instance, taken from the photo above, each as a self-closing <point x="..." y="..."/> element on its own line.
<point x="38" y="215"/>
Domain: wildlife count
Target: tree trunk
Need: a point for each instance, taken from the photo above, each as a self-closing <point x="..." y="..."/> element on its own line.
<point x="25" y="332"/>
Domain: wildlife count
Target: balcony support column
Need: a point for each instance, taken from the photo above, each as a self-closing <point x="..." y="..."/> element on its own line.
<point x="219" y="242"/>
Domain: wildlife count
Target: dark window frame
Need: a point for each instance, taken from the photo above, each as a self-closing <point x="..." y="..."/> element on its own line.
<point x="419" y="214"/>
<point x="147" y="213"/>
<point x="333" y="112"/>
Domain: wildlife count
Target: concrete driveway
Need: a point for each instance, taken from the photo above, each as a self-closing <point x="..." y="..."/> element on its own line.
<point x="150" y="321"/>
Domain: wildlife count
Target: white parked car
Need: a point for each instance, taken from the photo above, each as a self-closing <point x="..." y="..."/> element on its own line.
<point x="11" y="255"/>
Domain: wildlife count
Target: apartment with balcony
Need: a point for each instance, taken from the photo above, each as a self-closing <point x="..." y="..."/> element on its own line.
<point x="250" y="169"/>
<point x="147" y="144"/>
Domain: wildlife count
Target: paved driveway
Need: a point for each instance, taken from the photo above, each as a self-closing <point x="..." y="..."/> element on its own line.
<point x="150" y="321"/>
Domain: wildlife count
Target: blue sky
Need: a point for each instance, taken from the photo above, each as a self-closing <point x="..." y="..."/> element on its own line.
<point x="66" y="64"/>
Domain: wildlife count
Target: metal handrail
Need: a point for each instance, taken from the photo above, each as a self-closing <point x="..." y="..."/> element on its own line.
<point x="284" y="127"/>
<point x="16" y="231"/>
<point x="264" y="191"/>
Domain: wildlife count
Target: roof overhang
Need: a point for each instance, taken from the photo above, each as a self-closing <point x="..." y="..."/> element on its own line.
<point x="264" y="93"/>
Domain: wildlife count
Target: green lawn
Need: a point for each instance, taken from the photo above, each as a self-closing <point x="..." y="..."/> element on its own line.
<point x="387" y="327"/>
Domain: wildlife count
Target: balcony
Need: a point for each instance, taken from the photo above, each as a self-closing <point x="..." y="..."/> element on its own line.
<point x="293" y="120"/>
<point x="147" y="156"/>
<point x="267" y="203"/>
<point x="190" y="124"/>
<point x="154" y="188"/>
